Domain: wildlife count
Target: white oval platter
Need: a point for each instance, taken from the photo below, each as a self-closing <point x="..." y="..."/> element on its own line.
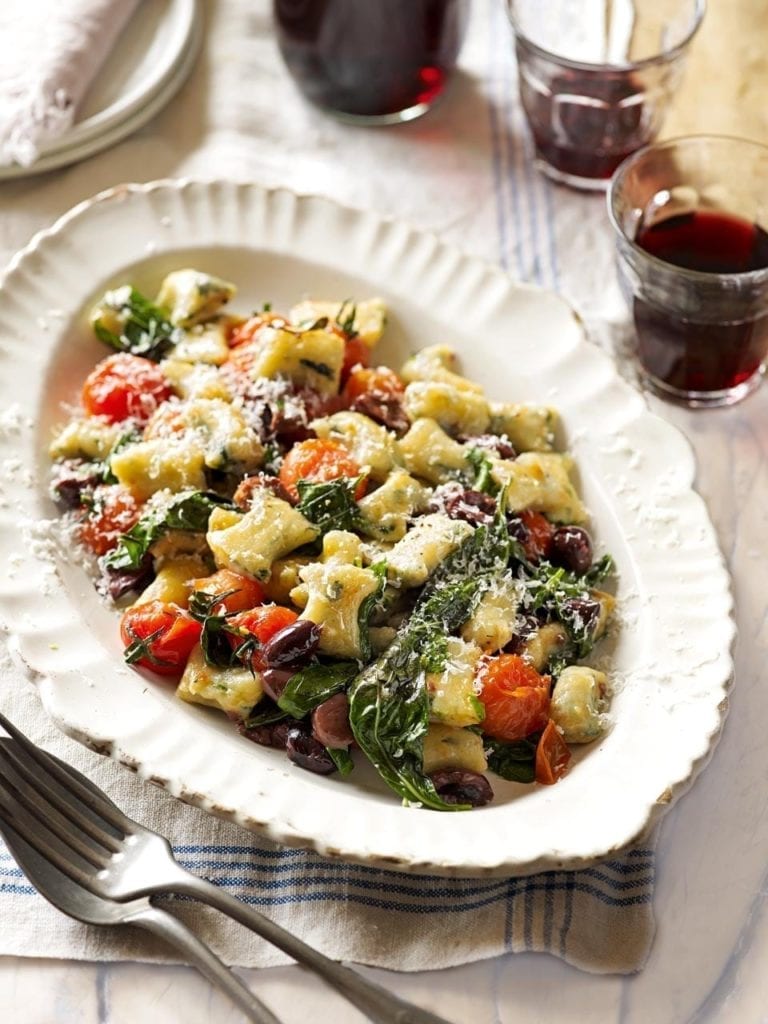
<point x="669" y="659"/>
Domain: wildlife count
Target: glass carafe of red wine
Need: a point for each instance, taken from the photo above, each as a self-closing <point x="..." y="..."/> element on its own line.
<point x="371" y="61"/>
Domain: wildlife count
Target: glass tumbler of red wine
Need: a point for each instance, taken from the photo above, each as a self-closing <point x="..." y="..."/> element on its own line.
<point x="691" y="223"/>
<point x="596" y="78"/>
<point x="371" y="61"/>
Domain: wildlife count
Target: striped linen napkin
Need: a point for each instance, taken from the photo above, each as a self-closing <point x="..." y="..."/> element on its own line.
<point x="51" y="54"/>
<point x="599" y="919"/>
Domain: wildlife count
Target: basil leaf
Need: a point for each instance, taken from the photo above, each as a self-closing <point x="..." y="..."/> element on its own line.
<point x="146" y="331"/>
<point x="342" y="759"/>
<point x="515" y="761"/>
<point x="389" y="702"/>
<point x="345" y="317"/>
<point x="188" y="511"/>
<point x="313" y="685"/>
<point x="368" y="606"/>
<point x="330" y="506"/>
<point x="480" y="461"/>
<point x="567" y="597"/>
<point x="266" y="712"/>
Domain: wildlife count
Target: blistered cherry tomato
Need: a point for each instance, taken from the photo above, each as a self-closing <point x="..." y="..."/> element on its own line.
<point x="356" y="353"/>
<point x="377" y="379"/>
<point x="319" y="460"/>
<point x="515" y="697"/>
<point x="123" y="386"/>
<point x="245" y="332"/>
<point x="552" y="755"/>
<point x="111" y="512"/>
<point x="537" y="534"/>
<point x="259" y="625"/>
<point x="159" y="636"/>
<point x="237" y="592"/>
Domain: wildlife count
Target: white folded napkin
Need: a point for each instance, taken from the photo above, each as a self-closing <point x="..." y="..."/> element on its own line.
<point x="52" y="50"/>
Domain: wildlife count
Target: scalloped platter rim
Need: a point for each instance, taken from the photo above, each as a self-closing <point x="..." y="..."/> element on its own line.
<point x="670" y="658"/>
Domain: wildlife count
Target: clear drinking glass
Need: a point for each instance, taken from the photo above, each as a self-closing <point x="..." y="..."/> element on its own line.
<point x="371" y="61"/>
<point x="596" y="78"/>
<point x="691" y="221"/>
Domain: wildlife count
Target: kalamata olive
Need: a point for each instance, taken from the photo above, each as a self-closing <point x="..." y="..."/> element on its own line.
<point x="384" y="409"/>
<point x="72" y="479"/>
<point x="472" y="506"/>
<point x="272" y="734"/>
<point x="458" y="786"/>
<point x="275" y="680"/>
<point x="584" y="609"/>
<point x="571" y="548"/>
<point x="305" y="751"/>
<point x="117" y="583"/>
<point x="496" y="444"/>
<point x="330" y="722"/>
<point x="293" y="644"/>
<point x="280" y="732"/>
<point x="261" y="734"/>
<point x="243" y="496"/>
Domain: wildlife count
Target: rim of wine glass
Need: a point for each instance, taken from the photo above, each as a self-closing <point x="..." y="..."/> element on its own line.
<point x="619" y="175"/>
<point x="663" y="57"/>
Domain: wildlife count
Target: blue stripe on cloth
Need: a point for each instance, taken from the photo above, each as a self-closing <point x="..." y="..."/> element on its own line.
<point x="549" y="205"/>
<point x="502" y="42"/>
<point x="536" y="884"/>
<point x="17" y="890"/>
<point x="495" y="127"/>
<point x="570" y="884"/>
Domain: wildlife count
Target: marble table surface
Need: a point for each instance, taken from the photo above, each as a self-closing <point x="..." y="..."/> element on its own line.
<point x="707" y="963"/>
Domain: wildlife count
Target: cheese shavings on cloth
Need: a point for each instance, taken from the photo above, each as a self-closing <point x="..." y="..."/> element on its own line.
<point x="51" y="54"/>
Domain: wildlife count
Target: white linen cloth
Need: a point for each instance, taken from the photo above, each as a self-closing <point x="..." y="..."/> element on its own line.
<point x="52" y="50"/>
<point x="465" y="172"/>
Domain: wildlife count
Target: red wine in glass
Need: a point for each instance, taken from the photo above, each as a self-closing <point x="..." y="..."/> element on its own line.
<point x="691" y="356"/>
<point x="371" y="58"/>
<point x="585" y="123"/>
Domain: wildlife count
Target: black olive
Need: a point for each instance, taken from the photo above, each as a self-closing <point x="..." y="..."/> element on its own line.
<point x="330" y="722"/>
<point x="472" y="507"/>
<point x="571" y="548"/>
<point x="305" y="751"/>
<point x="459" y="786"/>
<point x="274" y="681"/>
<point x="295" y="643"/>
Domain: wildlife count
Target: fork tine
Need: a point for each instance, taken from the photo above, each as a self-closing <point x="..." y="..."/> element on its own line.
<point x="54" y="809"/>
<point x="98" y="803"/>
<point x="40" y="838"/>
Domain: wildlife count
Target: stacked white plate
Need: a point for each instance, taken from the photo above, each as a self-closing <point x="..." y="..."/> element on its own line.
<point x="148" y="66"/>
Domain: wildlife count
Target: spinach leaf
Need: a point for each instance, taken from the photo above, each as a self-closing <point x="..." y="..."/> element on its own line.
<point x="369" y="605"/>
<point x="342" y="759"/>
<point x="188" y="511"/>
<point x="266" y="712"/>
<point x="513" y="761"/>
<point x="480" y="461"/>
<point x="345" y="317"/>
<point x="389" y="702"/>
<point x="145" y="329"/>
<point x="315" y="684"/>
<point x="330" y="506"/>
<point x="566" y="596"/>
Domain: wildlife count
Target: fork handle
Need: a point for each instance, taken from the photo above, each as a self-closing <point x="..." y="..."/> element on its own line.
<point x="374" y="1001"/>
<point x="161" y="923"/>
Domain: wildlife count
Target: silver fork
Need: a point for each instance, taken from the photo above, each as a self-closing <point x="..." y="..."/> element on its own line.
<point x="72" y="899"/>
<point x="76" y="828"/>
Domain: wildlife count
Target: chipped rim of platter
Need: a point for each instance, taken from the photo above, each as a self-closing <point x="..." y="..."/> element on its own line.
<point x="670" y="660"/>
